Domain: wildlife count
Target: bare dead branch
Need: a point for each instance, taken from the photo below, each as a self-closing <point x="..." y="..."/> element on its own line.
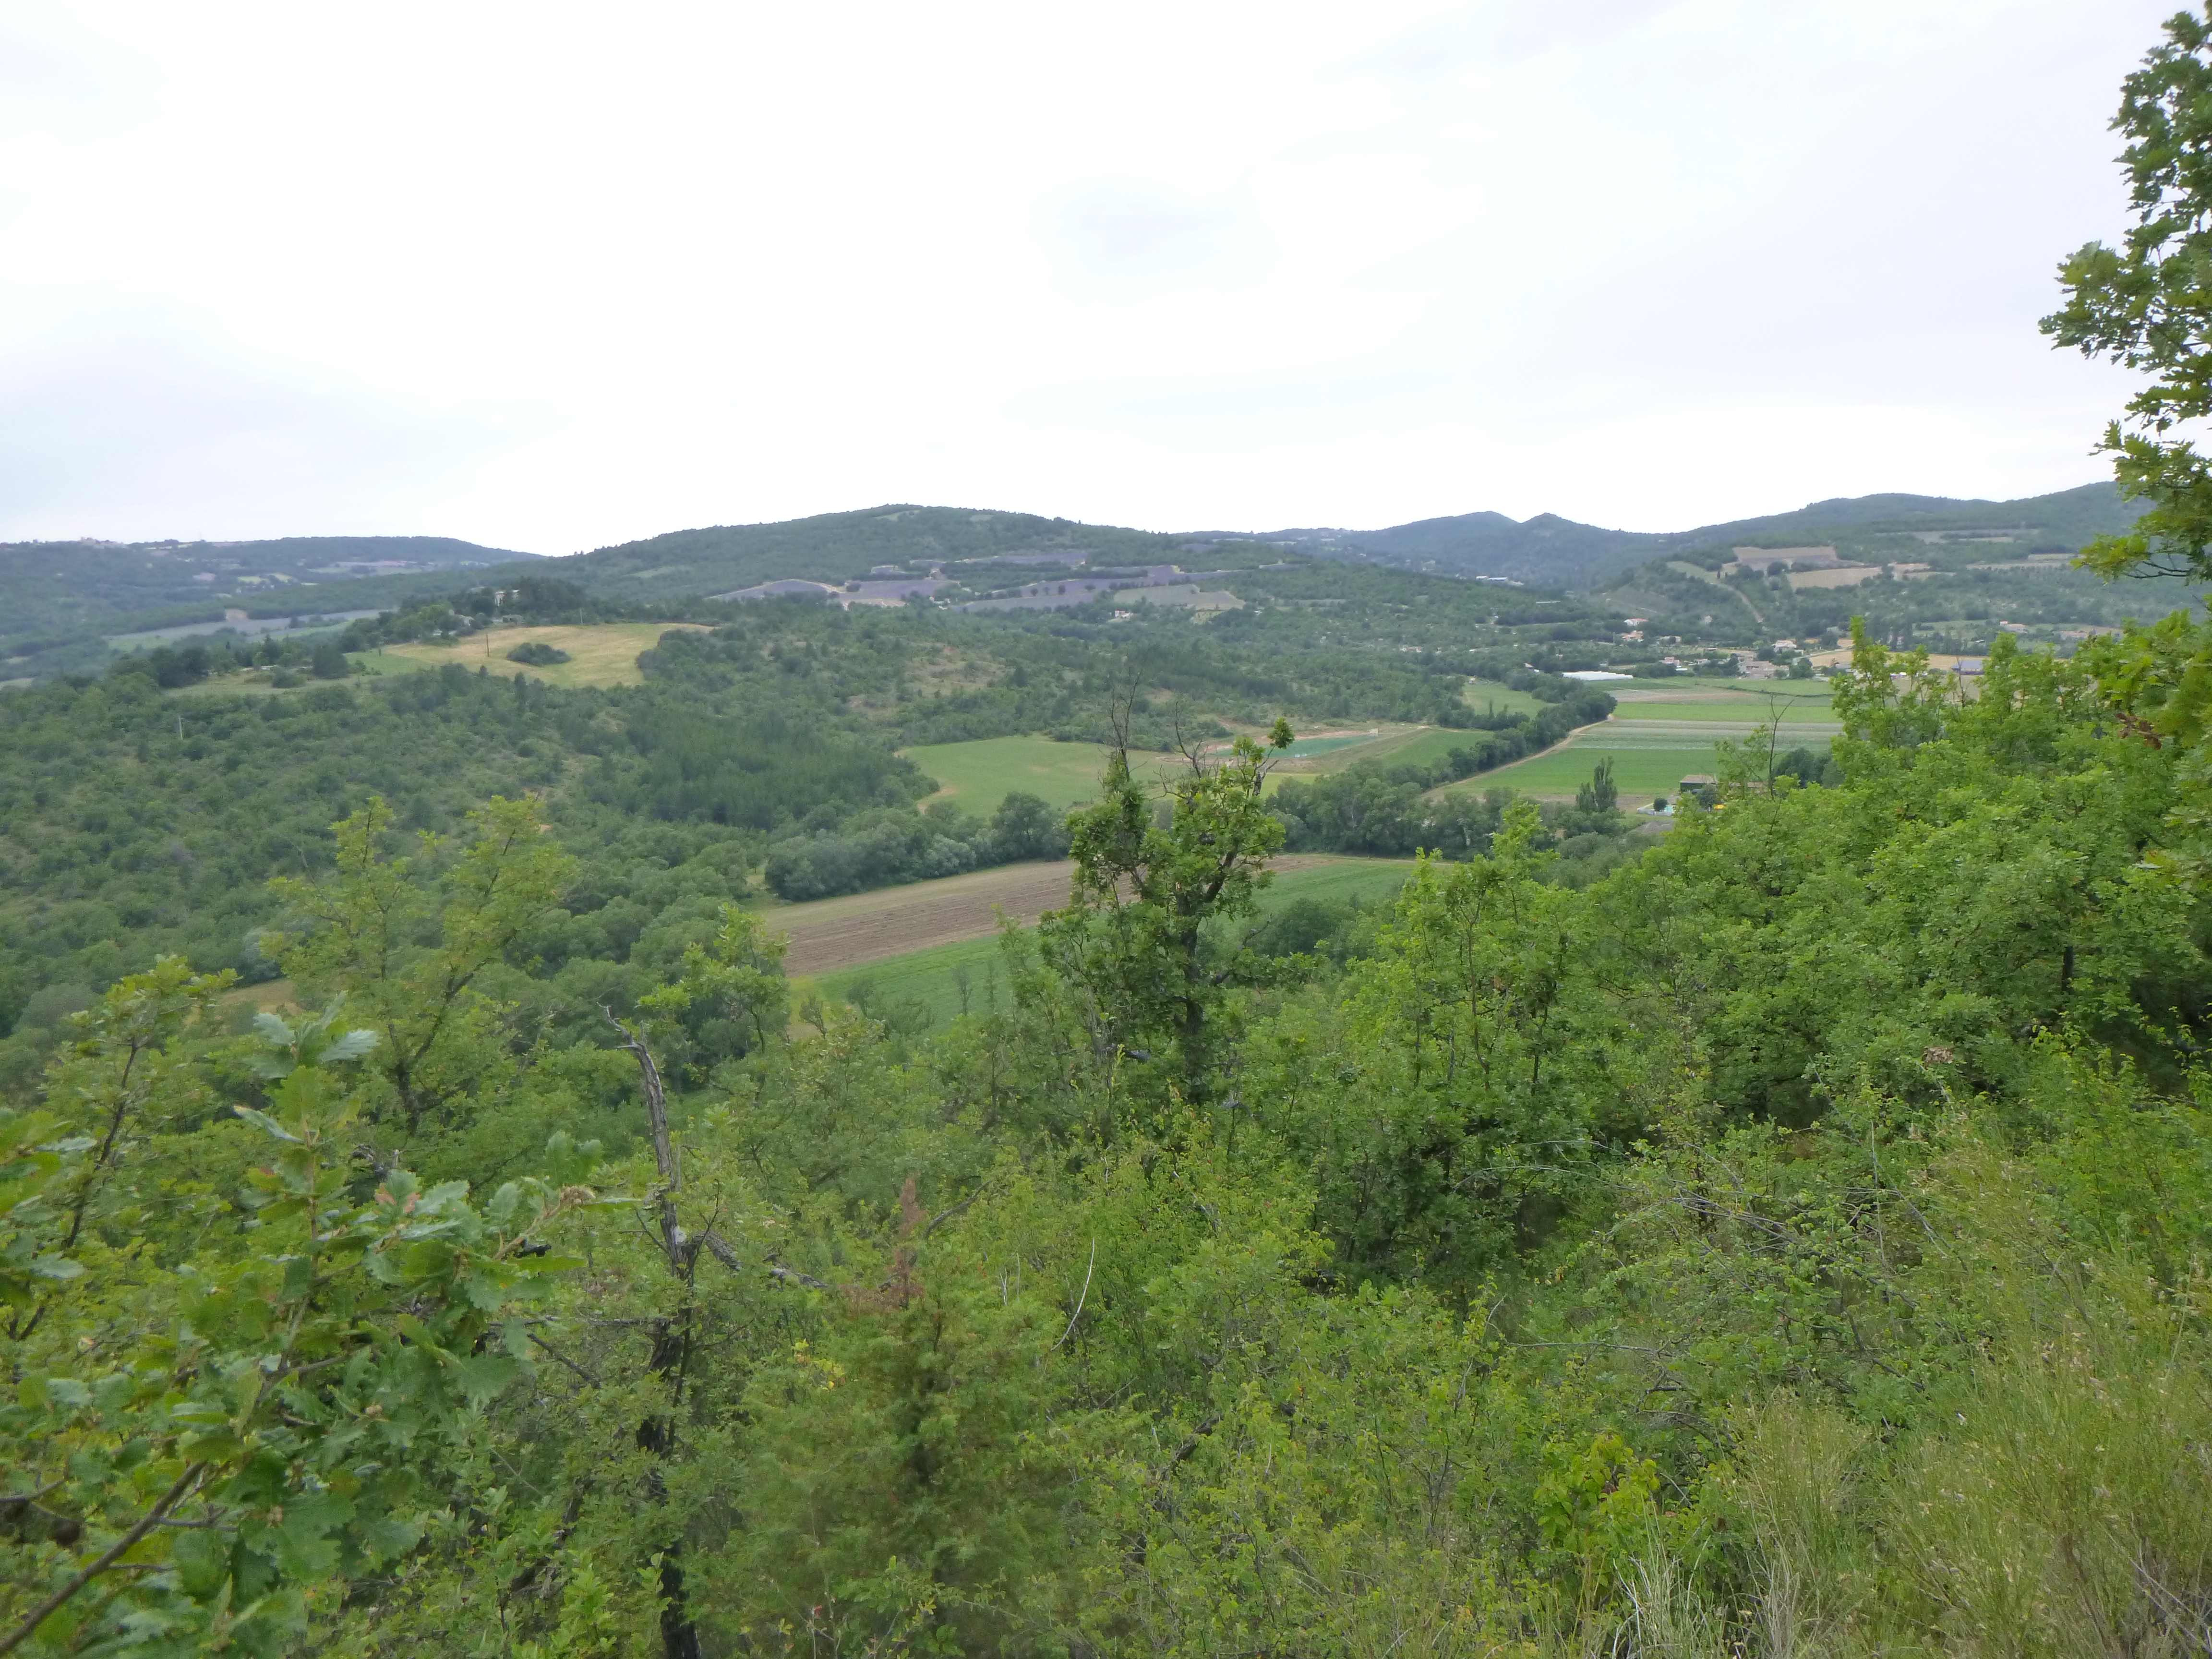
<point x="1080" y="1299"/>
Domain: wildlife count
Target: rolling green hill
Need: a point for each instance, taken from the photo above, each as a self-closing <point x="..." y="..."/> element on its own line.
<point x="833" y="546"/>
<point x="59" y="600"/>
<point x="61" y="603"/>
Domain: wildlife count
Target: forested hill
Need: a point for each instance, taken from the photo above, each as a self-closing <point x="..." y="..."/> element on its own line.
<point x="1547" y="550"/>
<point x="58" y="600"/>
<point x="1561" y="553"/>
<point x="833" y="546"/>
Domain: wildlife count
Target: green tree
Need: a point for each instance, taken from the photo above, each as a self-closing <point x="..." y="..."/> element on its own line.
<point x="730" y="998"/>
<point x="1601" y="794"/>
<point x="2147" y="304"/>
<point x="409" y="937"/>
<point x="1454" y="1106"/>
<point x="1023" y="828"/>
<point x="909" y="1481"/>
<point x="201" y="1437"/>
<point x="1134" y="932"/>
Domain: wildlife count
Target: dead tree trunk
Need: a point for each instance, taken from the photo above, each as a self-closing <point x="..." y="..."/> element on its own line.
<point x="672" y="1348"/>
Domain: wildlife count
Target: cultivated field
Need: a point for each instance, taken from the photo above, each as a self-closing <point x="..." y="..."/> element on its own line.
<point x="978" y="776"/>
<point x="1651" y="757"/>
<point x="829" y="934"/>
<point x="966" y="976"/>
<point x="1399" y="745"/>
<point x="1743" y="708"/>
<point x="267" y="996"/>
<point x="1640" y="771"/>
<point x="1422" y="746"/>
<point x="601" y="653"/>
<point x="1848" y="576"/>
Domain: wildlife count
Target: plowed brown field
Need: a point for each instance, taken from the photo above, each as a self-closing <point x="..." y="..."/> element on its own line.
<point x="827" y="934"/>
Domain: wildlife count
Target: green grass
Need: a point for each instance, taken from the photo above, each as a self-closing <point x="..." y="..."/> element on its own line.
<point x="1305" y="747"/>
<point x="937" y="978"/>
<point x="1369" y="880"/>
<point x="1639" y="772"/>
<point x="976" y="776"/>
<point x="1645" y="765"/>
<point x="1488" y="693"/>
<point x="600" y="654"/>
<point x="1421" y="748"/>
<point x="375" y="662"/>
<point x="1742" y="710"/>
<point x="241" y="685"/>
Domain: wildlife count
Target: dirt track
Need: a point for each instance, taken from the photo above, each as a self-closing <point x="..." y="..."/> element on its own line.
<point x="827" y="934"/>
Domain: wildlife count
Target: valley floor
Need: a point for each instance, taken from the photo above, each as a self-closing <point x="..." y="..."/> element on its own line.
<point x="828" y="935"/>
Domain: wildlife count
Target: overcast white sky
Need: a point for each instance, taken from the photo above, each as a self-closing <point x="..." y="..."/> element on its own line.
<point x="550" y="276"/>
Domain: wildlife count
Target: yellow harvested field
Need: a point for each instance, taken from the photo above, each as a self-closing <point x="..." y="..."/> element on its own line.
<point x="601" y="653"/>
<point x="827" y="934"/>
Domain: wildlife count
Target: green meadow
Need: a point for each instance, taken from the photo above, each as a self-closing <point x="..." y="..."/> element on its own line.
<point x="977" y="776"/>
<point x="1489" y="694"/>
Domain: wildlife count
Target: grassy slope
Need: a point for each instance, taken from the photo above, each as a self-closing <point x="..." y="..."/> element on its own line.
<point x="979" y="775"/>
<point x="603" y="653"/>
<point x="934" y="977"/>
<point x="1488" y="693"/>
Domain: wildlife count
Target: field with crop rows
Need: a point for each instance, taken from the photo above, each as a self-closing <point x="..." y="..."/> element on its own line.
<point x="967" y="971"/>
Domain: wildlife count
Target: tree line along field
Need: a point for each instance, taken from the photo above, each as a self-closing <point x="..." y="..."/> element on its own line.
<point x="978" y="775"/>
<point x="934" y="985"/>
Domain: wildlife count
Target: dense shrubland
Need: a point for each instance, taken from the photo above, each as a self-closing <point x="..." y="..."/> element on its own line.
<point x="1789" y="1242"/>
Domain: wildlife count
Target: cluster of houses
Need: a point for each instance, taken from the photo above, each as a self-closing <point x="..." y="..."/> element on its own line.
<point x="893" y="585"/>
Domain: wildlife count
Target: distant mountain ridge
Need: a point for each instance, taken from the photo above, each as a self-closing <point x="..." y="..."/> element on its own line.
<point x="1545" y="550"/>
<point x="1556" y="552"/>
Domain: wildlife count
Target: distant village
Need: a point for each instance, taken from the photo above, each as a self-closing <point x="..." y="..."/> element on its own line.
<point x="981" y="585"/>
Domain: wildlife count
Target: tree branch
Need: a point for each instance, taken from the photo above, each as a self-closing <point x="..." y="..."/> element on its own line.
<point x="1079" y="1300"/>
<point x="108" y="1557"/>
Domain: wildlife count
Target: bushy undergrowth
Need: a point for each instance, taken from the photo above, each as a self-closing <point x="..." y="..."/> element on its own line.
<point x="1791" y="1243"/>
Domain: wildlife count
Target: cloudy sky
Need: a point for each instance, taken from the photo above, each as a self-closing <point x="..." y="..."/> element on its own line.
<point x="550" y="276"/>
